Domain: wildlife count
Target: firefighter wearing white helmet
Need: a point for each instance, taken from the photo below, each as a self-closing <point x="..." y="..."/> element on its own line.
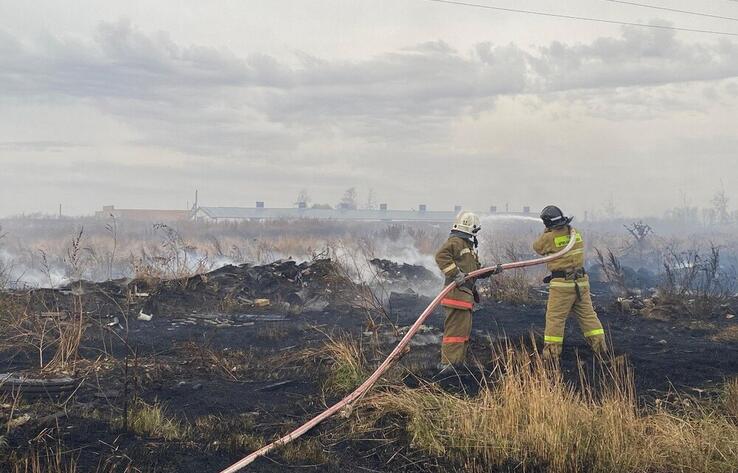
<point x="467" y="222"/>
<point x="456" y="258"/>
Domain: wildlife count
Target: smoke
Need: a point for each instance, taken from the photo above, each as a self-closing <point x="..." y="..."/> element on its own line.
<point x="16" y="275"/>
<point x="404" y="250"/>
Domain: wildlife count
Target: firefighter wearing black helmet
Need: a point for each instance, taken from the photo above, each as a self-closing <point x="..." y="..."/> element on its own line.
<point x="568" y="286"/>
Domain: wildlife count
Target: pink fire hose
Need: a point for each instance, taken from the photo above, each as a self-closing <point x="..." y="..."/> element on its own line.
<point x="391" y="359"/>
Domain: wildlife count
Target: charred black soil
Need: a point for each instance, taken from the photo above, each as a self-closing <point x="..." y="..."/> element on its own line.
<point x="234" y="359"/>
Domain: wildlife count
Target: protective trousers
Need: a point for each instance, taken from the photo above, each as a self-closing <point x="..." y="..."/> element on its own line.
<point x="456" y="332"/>
<point x="563" y="298"/>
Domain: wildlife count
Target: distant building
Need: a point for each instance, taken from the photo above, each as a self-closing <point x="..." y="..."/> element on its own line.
<point x="261" y="212"/>
<point x="144" y="215"/>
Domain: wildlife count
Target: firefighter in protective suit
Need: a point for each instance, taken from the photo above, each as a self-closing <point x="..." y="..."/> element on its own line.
<point x="456" y="258"/>
<point x="568" y="286"/>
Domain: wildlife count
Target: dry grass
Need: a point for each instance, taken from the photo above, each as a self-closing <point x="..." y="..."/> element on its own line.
<point x="63" y="334"/>
<point x="67" y="339"/>
<point x="347" y="365"/>
<point x="528" y="418"/>
<point x="236" y="434"/>
<point x="227" y="433"/>
<point x="273" y="331"/>
<point x="45" y="455"/>
<point x="308" y="451"/>
<point x="726" y="334"/>
<point x="150" y="420"/>
<point x="228" y="363"/>
<point x="511" y="286"/>
<point x="730" y="398"/>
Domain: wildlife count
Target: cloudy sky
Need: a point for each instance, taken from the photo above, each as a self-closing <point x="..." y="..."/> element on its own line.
<point x="139" y="103"/>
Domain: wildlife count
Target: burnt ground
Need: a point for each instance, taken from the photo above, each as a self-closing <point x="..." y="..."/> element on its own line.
<point x="257" y="365"/>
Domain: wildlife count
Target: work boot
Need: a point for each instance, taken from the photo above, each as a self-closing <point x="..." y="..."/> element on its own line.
<point x="444" y="369"/>
<point x="552" y="351"/>
<point x="447" y="371"/>
<point x="598" y="345"/>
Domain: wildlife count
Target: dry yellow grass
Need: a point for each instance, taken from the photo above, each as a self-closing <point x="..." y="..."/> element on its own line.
<point x="42" y="457"/>
<point x="150" y="420"/>
<point x="511" y="286"/>
<point x="726" y="334"/>
<point x="347" y="365"/>
<point x="730" y="398"/>
<point x="230" y="433"/>
<point x="528" y="417"/>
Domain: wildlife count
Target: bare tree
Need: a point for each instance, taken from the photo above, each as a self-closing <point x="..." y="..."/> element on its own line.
<point x="371" y="200"/>
<point x="609" y="208"/>
<point x="640" y="232"/>
<point x="720" y="206"/>
<point x="303" y="199"/>
<point x="685" y="212"/>
<point x="4" y="270"/>
<point x="349" y="200"/>
<point x="112" y="228"/>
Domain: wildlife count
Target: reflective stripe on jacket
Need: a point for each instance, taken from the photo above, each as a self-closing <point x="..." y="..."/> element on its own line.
<point x="556" y="239"/>
<point x="457" y="254"/>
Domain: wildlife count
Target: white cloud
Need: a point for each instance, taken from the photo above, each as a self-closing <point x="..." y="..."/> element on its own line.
<point x="189" y="113"/>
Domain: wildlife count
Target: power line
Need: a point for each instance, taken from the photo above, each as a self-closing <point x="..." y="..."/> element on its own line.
<point x="655" y="7"/>
<point x="583" y="18"/>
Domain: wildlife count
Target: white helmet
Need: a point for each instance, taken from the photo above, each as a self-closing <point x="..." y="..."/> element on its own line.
<point x="467" y="222"/>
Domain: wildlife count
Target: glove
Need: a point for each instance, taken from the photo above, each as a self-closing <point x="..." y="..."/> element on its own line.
<point x="459" y="278"/>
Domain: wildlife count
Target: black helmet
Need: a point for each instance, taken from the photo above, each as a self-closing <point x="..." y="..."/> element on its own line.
<point x="553" y="217"/>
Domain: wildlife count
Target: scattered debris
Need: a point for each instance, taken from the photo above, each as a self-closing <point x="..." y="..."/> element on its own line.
<point x="260" y="317"/>
<point x="18" y="422"/>
<point x="275" y="386"/>
<point x="144" y="317"/>
<point x="50" y="419"/>
<point x="10" y="382"/>
<point x="262" y="303"/>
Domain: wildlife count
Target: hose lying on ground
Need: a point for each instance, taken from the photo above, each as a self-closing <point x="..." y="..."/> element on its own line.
<point x="394" y="356"/>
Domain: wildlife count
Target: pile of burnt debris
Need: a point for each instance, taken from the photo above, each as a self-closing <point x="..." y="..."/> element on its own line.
<point x="290" y="286"/>
<point x="285" y="286"/>
<point x="402" y="272"/>
<point x="403" y="284"/>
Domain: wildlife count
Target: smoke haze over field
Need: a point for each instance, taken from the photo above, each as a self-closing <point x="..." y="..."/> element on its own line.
<point x="139" y="104"/>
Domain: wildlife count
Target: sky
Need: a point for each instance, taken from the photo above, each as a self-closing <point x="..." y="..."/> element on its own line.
<point x="138" y="104"/>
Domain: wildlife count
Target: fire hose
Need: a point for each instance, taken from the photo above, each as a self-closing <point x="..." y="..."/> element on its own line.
<point x="396" y="354"/>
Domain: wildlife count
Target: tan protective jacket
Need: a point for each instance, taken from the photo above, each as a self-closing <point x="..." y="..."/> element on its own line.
<point x="554" y="240"/>
<point x="458" y="254"/>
